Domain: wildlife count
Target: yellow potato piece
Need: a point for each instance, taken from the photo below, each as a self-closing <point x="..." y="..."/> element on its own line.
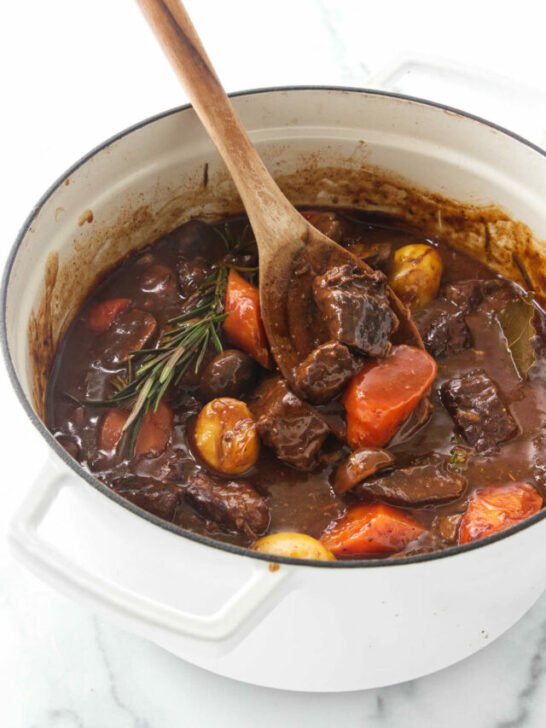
<point x="415" y="275"/>
<point x="295" y="545"/>
<point x="225" y="436"/>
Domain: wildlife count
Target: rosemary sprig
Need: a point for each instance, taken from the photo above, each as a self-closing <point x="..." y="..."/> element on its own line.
<point x="183" y="345"/>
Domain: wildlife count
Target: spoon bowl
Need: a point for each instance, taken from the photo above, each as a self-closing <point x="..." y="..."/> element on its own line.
<point x="287" y="242"/>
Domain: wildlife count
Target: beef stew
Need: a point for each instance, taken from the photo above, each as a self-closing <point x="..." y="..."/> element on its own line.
<point x="164" y="388"/>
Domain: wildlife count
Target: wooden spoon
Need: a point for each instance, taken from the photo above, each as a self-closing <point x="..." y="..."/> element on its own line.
<point x="287" y="243"/>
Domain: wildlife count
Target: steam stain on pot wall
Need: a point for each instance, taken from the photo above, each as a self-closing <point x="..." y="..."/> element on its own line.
<point x="487" y="232"/>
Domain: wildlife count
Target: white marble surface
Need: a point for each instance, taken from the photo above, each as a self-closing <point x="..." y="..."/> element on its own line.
<point x="75" y="73"/>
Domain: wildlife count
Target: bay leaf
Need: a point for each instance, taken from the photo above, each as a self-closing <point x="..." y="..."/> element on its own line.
<point x="516" y="320"/>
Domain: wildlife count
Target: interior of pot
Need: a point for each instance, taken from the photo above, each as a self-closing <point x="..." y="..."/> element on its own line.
<point x="449" y="175"/>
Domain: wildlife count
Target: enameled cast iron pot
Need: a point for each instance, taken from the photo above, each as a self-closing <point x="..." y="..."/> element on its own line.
<point x="271" y="621"/>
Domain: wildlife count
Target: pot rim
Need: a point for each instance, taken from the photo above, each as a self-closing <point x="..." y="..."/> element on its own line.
<point x="173" y="528"/>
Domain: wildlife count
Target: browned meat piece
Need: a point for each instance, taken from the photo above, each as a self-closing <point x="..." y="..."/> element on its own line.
<point x="191" y="275"/>
<point x="325" y="372"/>
<point x="233" y="505"/>
<point x="476" y="405"/>
<point x="158" y="279"/>
<point x="130" y="332"/>
<point x="491" y="295"/>
<point x="443" y="328"/>
<point x="356" y="308"/>
<point x="200" y="246"/>
<point x="497" y="293"/>
<point x="466" y="295"/>
<point x="286" y="424"/>
<point x="327" y="222"/>
<point x="360" y="465"/>
<point x="229" y="374"/>
<point x="196" y="238"/>
<point x="429" y="482"/>
<point x="161" y="499"/>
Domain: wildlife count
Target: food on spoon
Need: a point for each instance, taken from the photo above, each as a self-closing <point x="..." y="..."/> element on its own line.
<point x="416" y="274"/>
<point x="225" y="436"/>
<point x="496" y="507"/>
<point x="293" y="545"/>
<point x="356" y="308"/>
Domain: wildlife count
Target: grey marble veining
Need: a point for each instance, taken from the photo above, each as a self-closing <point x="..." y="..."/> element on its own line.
<point x="73" y="670"/>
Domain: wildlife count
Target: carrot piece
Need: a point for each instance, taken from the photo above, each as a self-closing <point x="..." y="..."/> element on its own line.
<point x="102" y="316"/>
<point x="371" y="528"/>
<point x="244" y="326"/>
<point x="155" y="431"/>
<point x="112" y="429"/>
<point x="384" y="393"/>
<point x="496" y="507"/>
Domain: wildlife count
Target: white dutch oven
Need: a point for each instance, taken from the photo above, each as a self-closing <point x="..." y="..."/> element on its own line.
<point x="275" y="622"/>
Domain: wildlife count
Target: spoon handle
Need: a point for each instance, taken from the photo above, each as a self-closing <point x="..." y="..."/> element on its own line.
<point x="271" y="215"/>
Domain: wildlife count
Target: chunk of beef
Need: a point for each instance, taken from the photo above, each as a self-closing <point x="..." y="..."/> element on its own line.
<point x="476" y="405"/>
<point x="360" y="465"/>
<point x="327" y="222"/>
<point x="161" y="499"/>
<point x="199" y="248"/>
<point x="443" y="328"/>
<point x="429" y="482"/>
<point x="191" y="275"/>
<point x="130" y="332"/>
<point x="466" y="295"/>
<point x="325" y="372"/>
<point x="491" y="295"/>
<point x="158" y="278"/>
<point x="286" y="424"/>
<point x="233" y="505"/>
<point x="197" y="239"/>
<point x="229" y="374"/>
<point x="356" y="308"/>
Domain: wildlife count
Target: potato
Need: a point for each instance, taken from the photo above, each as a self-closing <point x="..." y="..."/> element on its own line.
<point x="225" y="436"/>
<point x="415" y="274"/>
<point x="295" y="545"/>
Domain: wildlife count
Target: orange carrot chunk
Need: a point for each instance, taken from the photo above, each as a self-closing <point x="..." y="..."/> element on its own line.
<point x="155" y="431"/>
<point x="371" y="529"/>
<point x="244" y="325"/>
<point x="112" y="429"/>
<point x="384" y="393"/>
<point x="102" y="316"/>
<point x="496" y="507"/>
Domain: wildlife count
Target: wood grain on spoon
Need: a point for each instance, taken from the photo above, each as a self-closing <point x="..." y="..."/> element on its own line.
<point x="286" y="241"/>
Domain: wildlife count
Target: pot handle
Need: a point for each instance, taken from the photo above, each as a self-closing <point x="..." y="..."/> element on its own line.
<point x="516" y="105"/>
<point x="49" y="563"/>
